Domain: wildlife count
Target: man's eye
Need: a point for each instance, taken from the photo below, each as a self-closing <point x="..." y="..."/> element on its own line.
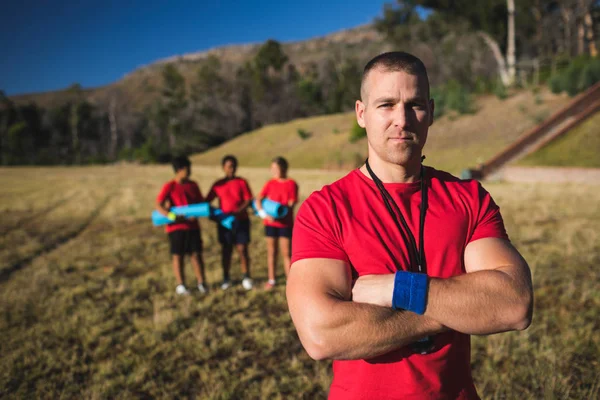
<point x="386" y="105"/>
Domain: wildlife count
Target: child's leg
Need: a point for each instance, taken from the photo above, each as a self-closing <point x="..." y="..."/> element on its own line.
<point x="242" y="250"/>
<point x="271" y="256"/>
<point x="198" y="264"/>
<point x="226" y="250"/>
<point x="194" y="248"/>
<point x="285" y="246"/>
<point x="178" y="268"/>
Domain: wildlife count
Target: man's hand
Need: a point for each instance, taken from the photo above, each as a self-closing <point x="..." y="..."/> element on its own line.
<point x="374" y="289"/>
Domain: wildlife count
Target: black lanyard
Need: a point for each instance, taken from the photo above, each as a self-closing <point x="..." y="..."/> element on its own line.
<point x="427" y="344"/>
<point x="418" y="254"/>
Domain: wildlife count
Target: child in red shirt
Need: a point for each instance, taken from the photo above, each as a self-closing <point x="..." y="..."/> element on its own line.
<point x="184" y="233"/>
<point x="234" y="196"/>
<point x="284" y="191"/>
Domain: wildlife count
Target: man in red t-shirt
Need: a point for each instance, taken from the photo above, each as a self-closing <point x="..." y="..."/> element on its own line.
<point x="234" y="196"/>
<point x="396" y="264"/>
<point x="184" y="233"/>
<point x="282" y="190"/>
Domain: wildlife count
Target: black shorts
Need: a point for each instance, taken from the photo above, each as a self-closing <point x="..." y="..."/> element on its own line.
<point x="240" y="234"/>
<point x="274" y="232"/>
<point x="185" y="242"/>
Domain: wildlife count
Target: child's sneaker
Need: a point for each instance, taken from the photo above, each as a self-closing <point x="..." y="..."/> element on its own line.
<point x="270" y="285"/>
<point x="226" y="285"/>
<point x="202" y="289"/>
<point x="247" y="283"/>
<point x="181" y="290"/>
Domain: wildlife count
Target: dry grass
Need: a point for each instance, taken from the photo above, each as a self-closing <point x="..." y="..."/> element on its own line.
<point x="87" y="303"/>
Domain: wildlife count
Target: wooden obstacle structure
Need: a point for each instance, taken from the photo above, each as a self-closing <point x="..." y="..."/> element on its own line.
<point x="578" y="110"/>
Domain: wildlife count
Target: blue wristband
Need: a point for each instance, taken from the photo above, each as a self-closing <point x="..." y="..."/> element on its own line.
<point x="410" y="292"/>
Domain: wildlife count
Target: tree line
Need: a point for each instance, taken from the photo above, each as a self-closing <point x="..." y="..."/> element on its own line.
<point x="186" y="115"/>
<point x="468" y="46"/>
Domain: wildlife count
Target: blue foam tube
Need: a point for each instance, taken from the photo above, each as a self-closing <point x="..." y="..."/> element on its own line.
<point x="272" y="208"/>
<point x="200" y="210"/>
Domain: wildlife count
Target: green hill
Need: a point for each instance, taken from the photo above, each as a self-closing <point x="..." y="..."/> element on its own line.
<point x="455" y="142"/>
<point x="578" y="148"/>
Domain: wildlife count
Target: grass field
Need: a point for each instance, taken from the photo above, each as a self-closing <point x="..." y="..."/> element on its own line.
<point x="454" y="143"/>
<point x="88" y="309"/>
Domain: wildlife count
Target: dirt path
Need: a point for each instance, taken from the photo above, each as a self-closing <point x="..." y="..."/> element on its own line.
<point x="589" y="176"/>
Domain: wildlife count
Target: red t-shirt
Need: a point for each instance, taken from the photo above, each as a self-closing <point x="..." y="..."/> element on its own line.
<point x="348" y="221"/>
<point x="181" y="194"/>
<point x="231" y="194"/>
<point x="283" y="192"/>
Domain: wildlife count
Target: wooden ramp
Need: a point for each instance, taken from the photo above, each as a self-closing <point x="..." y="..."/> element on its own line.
<point x="578" y="110"/>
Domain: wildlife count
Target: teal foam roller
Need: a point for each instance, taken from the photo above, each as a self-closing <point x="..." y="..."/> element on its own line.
<point x="272" y="208"/>
<point x="200" y="210"/>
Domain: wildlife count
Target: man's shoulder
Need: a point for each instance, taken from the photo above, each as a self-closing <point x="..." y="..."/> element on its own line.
<point x="449" y="180"/>
<point x="456" y="187"/>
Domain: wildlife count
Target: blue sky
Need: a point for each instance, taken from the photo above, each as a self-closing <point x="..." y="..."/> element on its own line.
<point x="51" y="44"/>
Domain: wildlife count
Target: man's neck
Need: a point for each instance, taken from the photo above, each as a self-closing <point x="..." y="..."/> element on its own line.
<point x="393" y="173"/>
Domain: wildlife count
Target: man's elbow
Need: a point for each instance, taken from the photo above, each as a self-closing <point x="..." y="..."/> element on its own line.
<point x="316" y="351"/>
<point x="316" y="343"/>
<point x="522" y="312"/>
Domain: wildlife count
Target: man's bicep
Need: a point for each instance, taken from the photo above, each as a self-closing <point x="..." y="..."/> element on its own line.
<point x="495" y="254"/>
<point x="313" y="282"/>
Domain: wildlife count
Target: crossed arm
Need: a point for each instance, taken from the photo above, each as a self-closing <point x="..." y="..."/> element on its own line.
<point x="337" y="321"/>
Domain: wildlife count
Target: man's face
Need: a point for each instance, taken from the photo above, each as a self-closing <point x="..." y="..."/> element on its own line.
<point x="396" y="113"/>
<point x="229" y="168"/>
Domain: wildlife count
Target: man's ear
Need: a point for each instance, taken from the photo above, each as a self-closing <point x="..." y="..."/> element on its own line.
<point x="360" y="113"/>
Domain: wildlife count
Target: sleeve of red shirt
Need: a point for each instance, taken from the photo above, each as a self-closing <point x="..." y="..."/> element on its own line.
<point x="164" y="192"/>
<point x="247" y="192"/>
<point x="317" y="232"/>
<point x="489" y="222"/>
<point x="265" y="190"/>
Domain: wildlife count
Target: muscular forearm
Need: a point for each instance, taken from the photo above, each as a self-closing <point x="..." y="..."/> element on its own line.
<point x="350" y="330"/>
<point x="480" y="303"/>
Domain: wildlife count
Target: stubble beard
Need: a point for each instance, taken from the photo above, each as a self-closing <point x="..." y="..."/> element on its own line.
<point x="402" y="154"/>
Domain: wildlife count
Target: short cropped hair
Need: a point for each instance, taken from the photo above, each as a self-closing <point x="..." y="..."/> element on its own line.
<point x="282" y="163"/>
<point x="231" y="158"/>
<point x="180" y="162"/>
<point x="395" y="61"/>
